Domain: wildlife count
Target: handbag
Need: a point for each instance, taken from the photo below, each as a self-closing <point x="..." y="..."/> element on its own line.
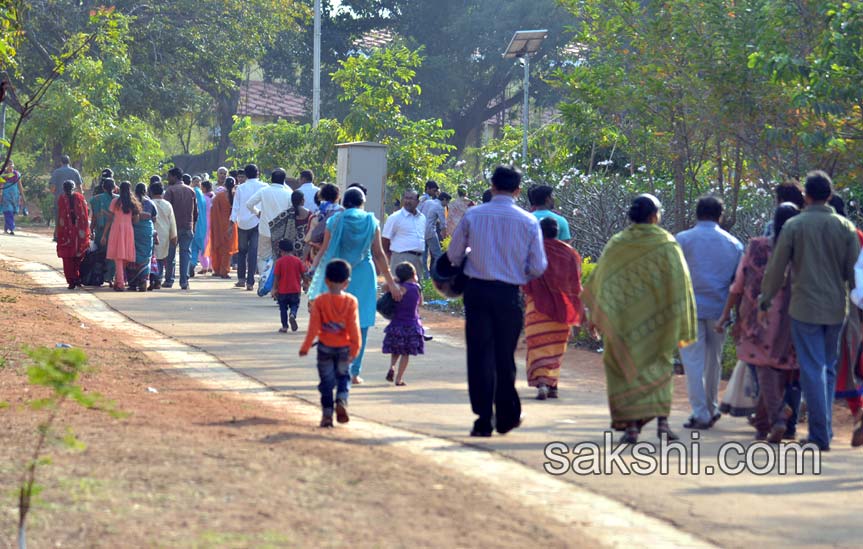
<point x="386" y="306"/>
<point x="741" y="393"/>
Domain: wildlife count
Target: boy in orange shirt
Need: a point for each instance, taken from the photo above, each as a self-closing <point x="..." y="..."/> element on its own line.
<point x="335" y="322"/>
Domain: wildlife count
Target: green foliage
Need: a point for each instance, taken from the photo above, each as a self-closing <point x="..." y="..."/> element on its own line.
<point x="813" y="50"/>
<point x="81" y="113"/>
<point x="434" y="300"/>
<point x="58" y="370"/>
<point x="189" y="52"/>
<point x="465" y="78"/>
<point x="378" y="88"/>
<point x="587" y="267"/>
<point x="10" y="34"/>
<point x="288" y="145"/>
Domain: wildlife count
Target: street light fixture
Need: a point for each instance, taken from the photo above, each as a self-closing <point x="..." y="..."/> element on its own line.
<point x="525" y="43"/>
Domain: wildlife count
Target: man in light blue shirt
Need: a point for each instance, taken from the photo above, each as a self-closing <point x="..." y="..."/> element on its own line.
<point x="435" y="216"/>
<point x="712" y="256"/>
<point x="542" y="202"/>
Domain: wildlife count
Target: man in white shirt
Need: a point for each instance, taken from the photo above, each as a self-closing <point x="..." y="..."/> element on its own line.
<point x="307" y="187"/>
<point x="404" y="234"/>
<point x="267" y="204"/>
<point x="247" y="228"/>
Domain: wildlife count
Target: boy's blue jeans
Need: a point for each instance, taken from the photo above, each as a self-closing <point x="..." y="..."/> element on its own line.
<point x="334" y="372"/>
<point x="287" y="301"/>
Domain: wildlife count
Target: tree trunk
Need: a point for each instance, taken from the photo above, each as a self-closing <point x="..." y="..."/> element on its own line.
<point x="56" y="154"/>
<point x="226" y="108"/>
<point x="678" y="163"/>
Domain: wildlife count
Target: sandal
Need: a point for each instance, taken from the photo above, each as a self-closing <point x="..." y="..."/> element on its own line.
<point x="857" y="437"/>
<point x="631" y="435"/>
<point x="400" y="384"/>
<point x="391" y="375"/>
<point x="663" y="428"/>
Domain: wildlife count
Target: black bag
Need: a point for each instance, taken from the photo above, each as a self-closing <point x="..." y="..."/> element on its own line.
<point x="93" y="268"/>
<point x="448" y="279"/>
<point x="386" y="306"/>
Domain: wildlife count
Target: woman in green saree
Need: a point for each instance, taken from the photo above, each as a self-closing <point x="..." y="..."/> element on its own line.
<point x="640" y="299"/>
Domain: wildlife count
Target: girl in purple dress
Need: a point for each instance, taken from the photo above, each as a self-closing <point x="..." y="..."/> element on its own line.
<point x="404" y="336"/>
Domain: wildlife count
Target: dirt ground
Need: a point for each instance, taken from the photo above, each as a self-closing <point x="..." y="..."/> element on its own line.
<point x="191" y="467"/>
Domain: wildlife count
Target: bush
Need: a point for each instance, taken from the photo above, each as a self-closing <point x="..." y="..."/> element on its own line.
<point x="434" y="300"/>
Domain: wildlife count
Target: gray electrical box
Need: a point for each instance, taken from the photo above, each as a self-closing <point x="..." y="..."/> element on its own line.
<point x="365" y="163"/>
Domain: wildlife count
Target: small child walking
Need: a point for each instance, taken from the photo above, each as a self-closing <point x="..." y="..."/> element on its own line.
<point x="287" y="284"/>
<point x="335" y="322"/>
<point x="404" y="337"/>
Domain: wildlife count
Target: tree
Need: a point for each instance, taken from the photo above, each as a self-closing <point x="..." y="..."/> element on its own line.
<point x="26" y="91"/>
<point x="671" y="82"/>
<point x="208" y="45"/>
<point x="378" y="89"/>
<point x="467" y="81"/>
<point x="288" y="145"/>
<point x="813" y="50"/>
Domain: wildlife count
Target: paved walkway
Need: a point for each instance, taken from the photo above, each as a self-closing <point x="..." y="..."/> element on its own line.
<point x="238" y="328"/>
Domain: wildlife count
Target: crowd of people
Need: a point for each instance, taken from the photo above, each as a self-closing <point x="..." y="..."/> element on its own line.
<point x="791" y="295"/>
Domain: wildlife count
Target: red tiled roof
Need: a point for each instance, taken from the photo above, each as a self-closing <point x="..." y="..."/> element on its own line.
<point x="268" y="99"/>
<point x="373" y="39"/>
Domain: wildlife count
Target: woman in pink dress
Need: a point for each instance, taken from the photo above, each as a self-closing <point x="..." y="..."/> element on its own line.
<point x="767" y="347"/>
<point x="121" y="235"/>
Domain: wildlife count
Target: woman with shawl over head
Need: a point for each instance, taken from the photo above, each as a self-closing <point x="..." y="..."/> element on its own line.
<point x="73" y="232"/>
<point x="120" y="235"/>
<point x="553" y="306"/>
<point x="139" y="271"/>
<point x="223" y="233"/>
<point x="767" y="347"/>
<point x="354" y="236"/>
<point x="640" y="299"/>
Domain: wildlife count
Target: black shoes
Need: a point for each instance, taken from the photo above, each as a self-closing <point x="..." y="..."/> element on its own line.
<point x="342" y="411"/>
<point x="507" y="428"/>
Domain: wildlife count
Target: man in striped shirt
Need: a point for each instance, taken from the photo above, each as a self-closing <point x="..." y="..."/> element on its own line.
<point x="505" y="251"/>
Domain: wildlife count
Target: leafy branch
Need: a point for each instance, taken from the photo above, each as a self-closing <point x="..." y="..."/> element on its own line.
<point x="58" y="370"/>
<point x="106" y="21"/>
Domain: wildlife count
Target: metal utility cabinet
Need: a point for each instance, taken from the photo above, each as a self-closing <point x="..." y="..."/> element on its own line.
<point x="365" y="163"/>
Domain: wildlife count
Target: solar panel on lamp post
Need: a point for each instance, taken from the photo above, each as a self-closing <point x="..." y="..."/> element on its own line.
<point x="525" y="43"/>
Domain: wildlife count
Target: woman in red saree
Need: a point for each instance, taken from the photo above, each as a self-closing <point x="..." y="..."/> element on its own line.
<point x="73" y="232"/>
<point x="553" y="306"/>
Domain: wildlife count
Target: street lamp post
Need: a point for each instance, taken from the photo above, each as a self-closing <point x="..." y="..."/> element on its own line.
<point x="522" y="46"/>
<point x="316" y="78"/>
